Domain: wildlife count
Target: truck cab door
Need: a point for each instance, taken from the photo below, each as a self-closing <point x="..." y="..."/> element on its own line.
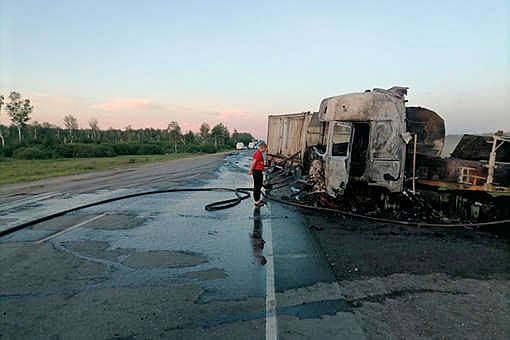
<point x="338" y="157"/>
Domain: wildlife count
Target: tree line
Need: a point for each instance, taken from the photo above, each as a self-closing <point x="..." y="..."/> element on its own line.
<point x="29" y="139"/>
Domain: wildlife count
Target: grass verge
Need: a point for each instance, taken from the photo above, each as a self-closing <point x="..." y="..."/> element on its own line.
<point x="14" y="171"/>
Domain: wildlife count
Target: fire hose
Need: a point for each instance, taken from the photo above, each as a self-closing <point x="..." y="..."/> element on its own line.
<point x="240" y="193"/>
<point x="244" y="193"/>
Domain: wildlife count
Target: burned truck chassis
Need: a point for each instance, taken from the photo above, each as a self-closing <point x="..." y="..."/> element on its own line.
<point x="426" y="206"/>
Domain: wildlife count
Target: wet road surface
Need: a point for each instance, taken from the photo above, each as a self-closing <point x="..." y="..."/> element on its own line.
<point x="162" y="267"/>
<point x="38" y="197"/>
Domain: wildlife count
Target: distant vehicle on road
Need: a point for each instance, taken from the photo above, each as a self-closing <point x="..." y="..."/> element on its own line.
<point x="240" y="146"/>
<point x="252" y="145"/>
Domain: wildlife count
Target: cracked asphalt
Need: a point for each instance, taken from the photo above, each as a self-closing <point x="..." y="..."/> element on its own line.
<point x="161" y="267"/>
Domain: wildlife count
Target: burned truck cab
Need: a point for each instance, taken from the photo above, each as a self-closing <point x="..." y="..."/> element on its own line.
<point x="360" y="141"/>
<point x="363" y="136"/>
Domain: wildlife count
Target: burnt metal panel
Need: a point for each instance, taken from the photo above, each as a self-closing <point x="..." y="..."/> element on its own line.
<point x="386" y="154"/>
<point x="285" y="135"/>
<point x="386" y="141"/>
<point x="337" y="164"/>
<point x="429" y="128"/>
<point x="274" y="135"/>
<point x="364" y="106"/>
<point x="314" y="130"/>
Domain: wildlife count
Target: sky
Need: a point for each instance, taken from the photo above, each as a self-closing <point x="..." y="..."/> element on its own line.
<point x="146" y="63"/>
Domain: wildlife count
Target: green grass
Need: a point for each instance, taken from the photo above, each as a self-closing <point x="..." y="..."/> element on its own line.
<point x="14" y="171"/>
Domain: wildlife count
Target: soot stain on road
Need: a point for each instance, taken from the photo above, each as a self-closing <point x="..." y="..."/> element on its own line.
<point x="310" y="310"/>
<point x="164" y="258"/>
<point x="360" y="249"/>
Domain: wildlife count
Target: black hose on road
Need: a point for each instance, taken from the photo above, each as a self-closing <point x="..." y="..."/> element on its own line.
<point x="389" y="220"/>
<point x="241" y="194"/>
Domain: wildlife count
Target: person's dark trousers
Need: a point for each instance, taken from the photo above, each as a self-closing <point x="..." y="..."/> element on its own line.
<point x="258" y="179"/>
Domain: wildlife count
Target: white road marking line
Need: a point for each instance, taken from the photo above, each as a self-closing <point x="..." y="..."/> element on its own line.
<point x="271" y="327"/>
<point x="70" y="228"/>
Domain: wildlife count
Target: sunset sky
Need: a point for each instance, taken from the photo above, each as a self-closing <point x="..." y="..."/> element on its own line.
<point x="145" y="63"/>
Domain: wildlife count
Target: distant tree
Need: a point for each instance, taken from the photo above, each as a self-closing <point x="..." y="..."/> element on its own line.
<point x="36" y="125"/>
<point x="48" y="136"/>
<point x="204" y="131"/>
<point x="189" y="138"/>
<point x="71" y="124"/>
<point x="174" y="134"/>
<point x="2" y="101"/>
<point x="46" y="133"/>
<point x="129" y="133"/>
<point x="243" y="137"/>
<point x="94" y="128"/>
<point x="19" y="111"/>
<point x="220" y="134"/>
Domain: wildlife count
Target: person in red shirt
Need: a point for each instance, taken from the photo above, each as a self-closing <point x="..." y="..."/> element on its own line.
<point x="256" y="170"/>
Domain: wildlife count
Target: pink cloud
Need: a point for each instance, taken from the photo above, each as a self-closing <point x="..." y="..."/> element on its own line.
<point x="243" y="121"/>
<point x="232" y="114"/>
<point x="187" y="126"/>
<point x="130" y="104"/>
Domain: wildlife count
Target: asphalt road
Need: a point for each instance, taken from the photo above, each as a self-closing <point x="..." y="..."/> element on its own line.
<point x="155" y="174"/>
<point x="57" y="193"/>
<point x="161" y="267"/>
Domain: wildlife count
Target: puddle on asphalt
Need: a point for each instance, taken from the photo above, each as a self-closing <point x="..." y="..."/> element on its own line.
<point x="298" y="258"/>
<point x="315" y="310"/>
<point x="95" y="249"/>
<point x="312" y="310"/>
<point x="164" y="258"/>
<point x="133" y="258"/>
<point x="203" y="216"/>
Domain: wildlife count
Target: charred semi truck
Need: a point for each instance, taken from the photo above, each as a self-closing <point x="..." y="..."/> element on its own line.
<point x="369" y="148"/>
